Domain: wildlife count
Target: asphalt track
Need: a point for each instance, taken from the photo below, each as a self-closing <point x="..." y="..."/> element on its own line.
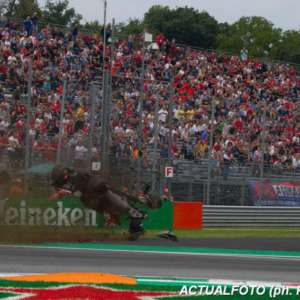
<point x="40" y="260"/>
<point x="253" y="243"/>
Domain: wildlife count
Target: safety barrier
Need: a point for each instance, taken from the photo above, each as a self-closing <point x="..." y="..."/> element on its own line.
<point x="250" y="216"/>
<point x="177" y="215"/>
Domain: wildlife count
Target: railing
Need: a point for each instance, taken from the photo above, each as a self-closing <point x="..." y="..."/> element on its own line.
<point x="243" y="216"/>
<point x="189" y="183"/>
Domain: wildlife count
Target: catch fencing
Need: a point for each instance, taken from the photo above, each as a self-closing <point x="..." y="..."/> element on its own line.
<point x="140" y="156"/>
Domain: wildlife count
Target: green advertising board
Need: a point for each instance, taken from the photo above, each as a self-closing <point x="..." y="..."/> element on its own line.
<point x="70" y="212"/>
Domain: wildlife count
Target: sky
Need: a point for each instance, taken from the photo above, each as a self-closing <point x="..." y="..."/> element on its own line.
<point x="283" y="13"/>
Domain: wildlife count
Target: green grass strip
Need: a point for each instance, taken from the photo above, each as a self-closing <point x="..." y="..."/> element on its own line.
<point x="175" y="250"/>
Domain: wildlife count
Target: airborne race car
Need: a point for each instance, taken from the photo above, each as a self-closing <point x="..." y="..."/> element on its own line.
<point x="98" y="195"/>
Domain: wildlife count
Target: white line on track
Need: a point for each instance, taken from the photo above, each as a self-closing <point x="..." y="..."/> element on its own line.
<point x="207" y="254"/>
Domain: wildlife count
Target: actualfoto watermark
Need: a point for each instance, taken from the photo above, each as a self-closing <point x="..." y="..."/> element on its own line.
<point x="275" y="291"/>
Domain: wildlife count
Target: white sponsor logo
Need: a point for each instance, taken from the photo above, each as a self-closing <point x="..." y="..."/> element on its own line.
<point x="59" y="216"/>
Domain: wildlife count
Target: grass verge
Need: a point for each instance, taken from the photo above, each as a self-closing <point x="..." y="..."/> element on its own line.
<point x="37" y="234"/>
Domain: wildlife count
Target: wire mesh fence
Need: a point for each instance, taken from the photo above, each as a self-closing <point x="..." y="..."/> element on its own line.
<point x="80" y="109"/>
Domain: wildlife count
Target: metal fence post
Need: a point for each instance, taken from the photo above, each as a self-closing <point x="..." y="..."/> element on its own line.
<point x="140" y="127"/>
<point x="27" y="128"/>
<point x="211" y="136"/>
<point x="92" y="123"/>
<point x="190" y="191"/>
<point x="243" y="188"/>
<point x="109" y="102"/>
<point x="155" y="143"/>
<point x="104" y="97"/>
<point x="104" y="33"/>
<point x="110" y="96"/>
<point x="170" y="132"/>
<point x="104" y="126"/>
<point x="263" y="140"/>
<point x="61" y="122"/>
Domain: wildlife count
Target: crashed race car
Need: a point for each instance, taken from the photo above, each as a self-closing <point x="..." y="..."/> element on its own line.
<point x="98" y="195"/>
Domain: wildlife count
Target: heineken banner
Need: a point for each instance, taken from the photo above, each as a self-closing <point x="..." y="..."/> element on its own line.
<point x="268" y="193"/>
<point x="70" y="212"/>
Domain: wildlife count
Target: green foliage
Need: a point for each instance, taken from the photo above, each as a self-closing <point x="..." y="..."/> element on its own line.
<point x="93" y="26"/>
<point x="134" y="26"/>
<point x="256" y="34"/>
<point x="3" y="7"/>
<point x="224" y="28"/>
<point x="156" y="19"/>
<point x="185" y="24"/>
<point x="59" y="12"/>
<point x="20" y="9"/>
<point x="289" y="47"/>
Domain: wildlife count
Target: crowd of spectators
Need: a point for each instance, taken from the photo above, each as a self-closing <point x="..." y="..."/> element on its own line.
<point x="249" y="98"/>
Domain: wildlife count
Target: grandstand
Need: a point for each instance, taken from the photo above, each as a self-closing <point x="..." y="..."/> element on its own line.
<point x="255" y="132"/>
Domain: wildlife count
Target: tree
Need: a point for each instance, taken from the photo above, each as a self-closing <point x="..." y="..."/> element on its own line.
<point x="59" y="12"/>
<point x="3" y="7"/>
<point x="256" y="34"/>
<point x="93" y="26"/>
<point x="185" y="24"/>
<point x="224" y="28"/>
<point x="134" y="26"/>
<point x="289" y="47"/>
<point x="19" y="8"/>
<point x="156" y="19"/>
